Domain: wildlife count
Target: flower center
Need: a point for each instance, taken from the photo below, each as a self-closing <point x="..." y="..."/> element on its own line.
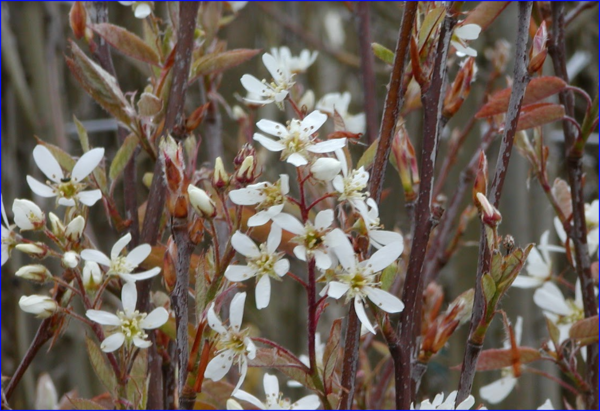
<point x="278" y="403"/>
<point x="130" y="325"/>
<point x="295" y="142"/>
<point x="265" y="263"/>
<point x="67" y="188"/>
<point x="353" y="185"/>
<point x="576" y="314"/>
<point x="120" y="266"/>
<point x="273" y="196"/>
<point x="357" y="281"/>
<point x="234" y="341"/>
<point x="312" y="238"/>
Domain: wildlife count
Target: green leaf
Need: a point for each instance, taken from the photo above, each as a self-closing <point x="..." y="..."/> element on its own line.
<point x="388" y="275"/>
<point x="554" y="332"/>
<point x="366" y="160"/>
<point x="496" y="266"/>
<point x="430" y="23"/>
<point x="100" y="85"/>
<point x="100" y="365"/>
<point x="214" y="63"/>
<point x="123" y="156"/>
<point x="332" y="350"/>
<point x="64" y="159"/>
<point x="287" y="364"/>
<point x="511" y="267"/>
<point x="127" y="42"/>
<point x="489" y="287"/>
<point x="383" y="53"/>
<point x="83" y="404"/>
<point x="83" y="135"/>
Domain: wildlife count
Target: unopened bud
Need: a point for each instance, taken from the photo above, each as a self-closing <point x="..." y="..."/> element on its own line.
<point x="92" y="275"/>
<point x="168" y="270"/>
<point x="27" y="215"/>
<point x="481" y="178"/>
<point x="41" y="306"/>
<point x="74" y="229"/>
<point x="307" y="102"/>
<point x="461" y="87"/>
<point x="78" y="19"/>
<point x="70" y="259"/>
<point x="220" y="177"/>
<point x="38" y="250"/>
<point x="406" y="160"/>
<point x="34" y="272"/>
<point x="238" y="113"/>
<point x="539" y="50"/>
<point x="196" y="118"/>
<point x="245" y="151"/>
<point x="56" y="225"/>
<point x="326" y="168"/>
<point x="245" y="174"/>
<point x="201" y="202"/>
<point x="149" y="105"/>
<point x="489" y="214"/>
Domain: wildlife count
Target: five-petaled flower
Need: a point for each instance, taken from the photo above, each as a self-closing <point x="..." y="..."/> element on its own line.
<point x="123" y="266"/>
<point x="265" y="92"/>
<point x="296" y="141"/>
<point x="351" y="184"/>
<point x="233" y="343"/>
<point x="67" y="188"/>
<point x="295" y="65"/>
<point x="463" y="33"/>
<point x="539" y="264"/>
<point x="130" y="323"/>
<point x="269" y="199"/>
<point x="378" y="237"/>
<point x="339" y="102"/>
<point x="264" y="263"/>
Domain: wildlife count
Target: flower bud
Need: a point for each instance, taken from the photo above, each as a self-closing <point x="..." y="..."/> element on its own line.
<point x="169" y="272"/>
<point x="70" y="259"/>
<point x="56" y="225"/>
<point x="524" y="147"/>
<point x="245" y="151"/>
<point x="196" y="118"/>
<point x="406" y="160"/>
<point x="92" y="275"/>
<point x="238" y="113"/>
<point x="201" y="202"/>
<point x="196" y="231"/>
<point x="481" y="178"/>
<point x="34" y="272"/>
<point x="220" y="177"/>
<point x="461" y="87"/>
<point x="78" y="19"/>
<point x="74" y="229"/>
<point x="149" y="105"/>
<point x="41" y="306"/>
<point x="173" y="165"/>
<point x="28" y="216"/>
<point x="539" y="50"/>
<point x="245" y="174"/>
<point x="489" y="214"/>
<point x="307" y="102"/>
<point x="38" y="250"/>
<point x="326" y="168"/>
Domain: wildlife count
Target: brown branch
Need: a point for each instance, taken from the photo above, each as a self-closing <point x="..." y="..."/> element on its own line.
<point x="578" y="233"/>
<point x="367" y="67"/>
<point x="521" y="79"/>
<point x="583" y="5"/>
<point x="350" y="364"/>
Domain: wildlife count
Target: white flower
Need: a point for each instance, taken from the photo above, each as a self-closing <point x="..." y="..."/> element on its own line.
<point x="92" y="275"/>
<point x="268" y="198"/>
<point x="34" y="272"/>
<point x="120" y="265"/>
<point x="70" y="259"/>
<point x="68" y="189"/>
<point x="377" y="236"/>
<point x="358" y="280"/>
<point x="75" y="228"/>
<point x="325" y="168"/>
<point x="539" y="264"/>
<point x="498" y="390"/>
<point x="201" y="202"/>
<point x="27" y="215"/>
<point x="296" y="65"/>
<point x="263" y="263"/>
<point x="351" y="184"/>
<point x="334" y="27"/>
<point x="438" y="403"/>
<point x="296" y="141"/>
<point x="233" y="344"/>
<point x="275" y="400"/>
<point x="141" y="9"/>
<point x="8" y="236"/>
<point x="266" y="93"/>
<point x="462" y="33"/>
<point x="40" y="305"/>
<point x="340" y="102"/>
<point x="130" y="323"/>
<point x="591" y="219"/>
<point x="314" y="240"/>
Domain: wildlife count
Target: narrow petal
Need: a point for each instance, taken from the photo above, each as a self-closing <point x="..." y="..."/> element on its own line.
<point x="313" y="122"/>
<point x="40" y="189"/>
<point x="103" y="317"/>
<point x="213" y="321"/>
<point x="268" y="143"/>
<point x="250" y="348"/>
<point x="339" y="242"/>
<point x="129" y="297"/>
<point x="139" y="254"/>
<point x="86" y="164"/>
<point x="238" y="273"/>
<point x="324" y="219"/>
<point x="96" y="256"/>
<point x="281" y="267"/>
<point x="362" y="315"/>
<point x="244" y="396"/>
<point x="244" y="245"/>
<point x="144" y="275"/>
<point x="90" y="197"/>
<point x="263" y="292"/>
<point x="141" y="343"/>
<point x="271" y="387"/>
<point x="47" y="163"/>
<point x="289" y="223"/>
<point x="387" y="237"/>
<point x="259" y="219"/>
<point x="119" y="246"/>
<point x="550" y="298"/>
<point x="524" y="281"/>
<point x="468" y="31"/>
<point x="113" y="342"/>
<point x="300" y="252"/>
<point x="328" y="146"/>
<point x="322" y="260"/>
<point x="155" y="319"/>
<point x="273" y="67"/>
<point x="273" y="128"/>
<point x="218" y="367"/>
<point x="297" y="160"/>
<point x="236" y="311"/>
<point x="274" y="238"/>
<point x="284" y="183"/>
<point x="384" y="300"/>
<point x="247" y="196"/>
<point x="498" y="390"/>
<point x="337" y="290"/>
<point x="310" y="402"/>
<point x="67" y="202"/>
<point x="383" y="258"/>
<point x="243" y="372"/>
<point x="254" y="85"/>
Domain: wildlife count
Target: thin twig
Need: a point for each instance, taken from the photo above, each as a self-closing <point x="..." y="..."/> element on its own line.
<point x="367" y="67"/>
<point x="583" y="5"/>
<point x="521" y="79"/>
<point x="350" y="364"/>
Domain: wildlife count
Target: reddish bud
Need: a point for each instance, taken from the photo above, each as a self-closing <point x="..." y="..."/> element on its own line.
<point x="220" y="177"/>
<point x="196" y="118"/>
<point x="245" y="151"/>
<point x="481" y="179"/>
<point x="246" y="172"/>
<point x="173" y="165"/>
<point x="489" y="214"/>
<point x="406" y="159"/>
<point x="196" y="231"/>
<point x="539" y="50"/>
<point x="78" y="19"/>
<point x="461" y="87"/>
<point x="168" y="271"/>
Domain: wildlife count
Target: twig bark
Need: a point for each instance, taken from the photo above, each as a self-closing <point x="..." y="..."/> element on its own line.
<point x="521" y="79"/>
<point x="578" y="233"/>
<point x="350" y="364"/>
<point x="367" y="67"/>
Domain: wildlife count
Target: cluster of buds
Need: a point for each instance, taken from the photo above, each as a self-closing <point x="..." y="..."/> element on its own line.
<point x="246" y="165"/>
<point x="461" y="87"/>
<point x="406" y="160"/>
<point x="539" y="50"/>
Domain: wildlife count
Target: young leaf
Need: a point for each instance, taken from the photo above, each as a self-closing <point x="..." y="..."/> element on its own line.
<point x="485" y="13"/>
<point x="217" y="62"/>
<point x="430" y="24"/>
<point x="366" y="160"/>
<point x="63" y="158"/>
<point x="83" y="404"/>
<point x="489" y="287"/>
<point x="83" y="135"/>
<point x="332" y="350"/>
<point x="100" y="366"/>
<point x="495" y="359"/>
<point x="290" y="366"/>
<point x="536" y="115"/>
<point x="383" y="53"/>
<point x="123" y="156"/>
<point x="586" y="330"/>
<point x="127" y="43"/>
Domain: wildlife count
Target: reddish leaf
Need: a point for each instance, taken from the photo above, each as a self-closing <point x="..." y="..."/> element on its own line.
<point x="127" y="43"/>
<point x="586" y="330"/>
<point x="562" y="194"/>
<point x="497" y="358"/>
<point x="536" y="115"/>
<point x="332" y="350"/>
<point x="287" y="364"/>
<point x="485" y="13"/>
<point x="538" y="89"/>
<point x="217" y="62"/>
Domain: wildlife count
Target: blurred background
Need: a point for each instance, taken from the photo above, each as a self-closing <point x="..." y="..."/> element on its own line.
<point x="40" y="98"/>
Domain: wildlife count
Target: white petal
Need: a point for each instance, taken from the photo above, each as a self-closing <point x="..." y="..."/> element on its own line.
<point x="263" y="292"/>
<point x="384" y="300"/>
<point x="550" y="298"/>
<point x="300" y="252"/>
<point x="113" y="342"/>
<point x="273" y="67"/>
<point x="462" y="51"/>
<point x="243" y="372"/>
<point x="465" y="405"/>
<point x="139" y="254"/>
<point x="155" y="319"/>
<point x="119" y="246"/>
<point x="129" y="297"/>
<point x="313" y="121"/>
<point x="67" y="202"/>
<point x="95" y="256"/>
<point x="247" y="196"/>
<point x="281" y="267"/>
<point x="258" y="219"/>
<point x="324" y="219"/>
<point x="244" y="245"/>
<point x="144" y="275"/>
<point x="219" y="366"/>
<point x="310" y="402"/>
<point x="322" y="260"/>
<point x="337" y="290"/>
<point x="356" y="124"/>
<point x="297" y="160"/>
<point x="385" y="257"/>
<point x="40" y="189"/>
<point x="386" y="237"/>
<point x="244" y="396"/>
<point x="238" y="273"/>
<point x="274" y="210"/>
<point x="142" y="11"/>
<point x="47" y="163"/>
<point x="250" y="348"/>
<point x="284" y="183"/>
<point x="468" y="31"/>
<point x="273" y="128"/>
<point x="338" y="183"/>
<point x="236" y="311"/>
<point x="103" y="317"/>
<point x="90" y="197"/>
<point x="86" y="164"/>
<point x="524" y="281"/>
<point x="271" y="386"/>
<point x="342" y="247"/>
<point x="498" y="390"/>
<point x="213" y="320"/>
<point x="254" y="85"/>
<point x="362" y="315"/>
<point x="289" y="223"/>
<point x="328" y="146"/>
<point x="141" y="343"/>
<point x="274" y="238"/>
<point x="268" y="143"/>
<point x="547" y="405"/>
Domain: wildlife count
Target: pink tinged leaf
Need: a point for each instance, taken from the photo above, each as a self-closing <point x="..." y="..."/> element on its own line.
<point x="498" y="358"/>
<point x="113" y="342"/>
<point x="586" y="330"/>
<point x="244" y="245"/>
<point x="157" y="318"/>
<point x="103" y="317"/>
<point x="536" y="115"/>
<point x="218" y="62"/>
<point x="86" y="164"/>
<point x="47" y="163"/>
<point x="485" y="13"/>
<point x="236" y="311"/>
<point x="40" y="189"/>
<point x="362" y="315"/>
<point x="126" y="42"/>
